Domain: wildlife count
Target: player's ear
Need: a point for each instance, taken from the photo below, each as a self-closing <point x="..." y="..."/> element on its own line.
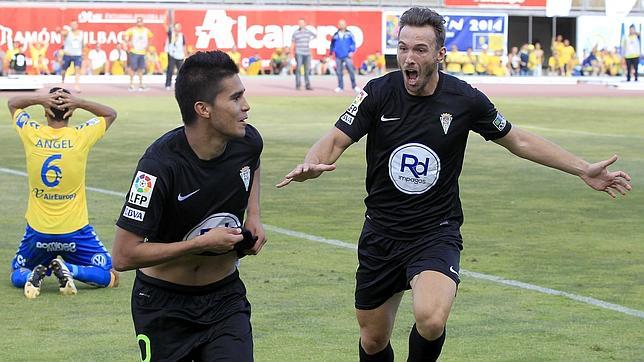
<point x="441" y="54"/>
<point x="202" y="109"/>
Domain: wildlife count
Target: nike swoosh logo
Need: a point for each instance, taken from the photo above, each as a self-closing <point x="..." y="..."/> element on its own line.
<point x="451" y="268"/>
<point x="385" y="119"/>
<point x="181" y="198"/>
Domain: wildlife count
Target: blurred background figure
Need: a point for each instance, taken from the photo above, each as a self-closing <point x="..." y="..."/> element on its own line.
<point x="301" y="48"/>
<point x="632" y="52"/>
<point x="176" y="49"/>
<point x="118" y="60"/>
<point x="279" y="61"/>
<point x="98" y="62"/>
<point x="72" y="52"/>
<point x="343" y="45"/>
<point x="38" y="54"/>
<point x="138" y="39"/>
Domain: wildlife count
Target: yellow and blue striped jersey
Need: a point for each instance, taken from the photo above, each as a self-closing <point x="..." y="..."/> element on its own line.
<point x="56" y="162"/>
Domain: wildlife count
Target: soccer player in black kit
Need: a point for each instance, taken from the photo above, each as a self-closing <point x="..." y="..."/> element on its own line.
<point x="417" y="121"/>
<point x="183" y="217"/>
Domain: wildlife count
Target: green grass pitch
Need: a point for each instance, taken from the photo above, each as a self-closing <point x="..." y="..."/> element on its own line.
<point x="522" y="222"/>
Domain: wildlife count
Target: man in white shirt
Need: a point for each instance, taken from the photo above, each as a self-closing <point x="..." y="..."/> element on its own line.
<point x="98" y="61"/>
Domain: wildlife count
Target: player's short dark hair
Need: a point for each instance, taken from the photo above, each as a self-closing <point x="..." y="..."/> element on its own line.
<point x="424" y="16"/>
<point x="199" y="79"/>
<point x="59" y="113"/>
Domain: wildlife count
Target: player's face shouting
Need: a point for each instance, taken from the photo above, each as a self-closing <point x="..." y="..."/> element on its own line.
<point x="231" y="109"/>
<point x="418" y="57"/>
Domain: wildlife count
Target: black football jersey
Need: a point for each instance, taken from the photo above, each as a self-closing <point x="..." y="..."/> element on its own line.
<point x="177" y="196"/>
<point x="415" y="149"/>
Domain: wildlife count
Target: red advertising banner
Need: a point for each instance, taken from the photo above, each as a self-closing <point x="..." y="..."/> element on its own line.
<point x="497" y="3"/>
<point x="251" y="32"/>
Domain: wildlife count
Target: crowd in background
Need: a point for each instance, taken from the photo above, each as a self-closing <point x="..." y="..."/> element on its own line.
<point x="529" y="60"/>
<point x="526" y="60"/>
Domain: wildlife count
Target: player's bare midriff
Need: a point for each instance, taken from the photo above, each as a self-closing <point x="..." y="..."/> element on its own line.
<point x="194" y="270"/>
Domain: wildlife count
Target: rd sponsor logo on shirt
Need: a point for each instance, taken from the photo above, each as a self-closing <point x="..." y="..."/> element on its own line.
<point x="222" y="219"/>
<point x="414" y="168"/>
<point x="142" y="188"/>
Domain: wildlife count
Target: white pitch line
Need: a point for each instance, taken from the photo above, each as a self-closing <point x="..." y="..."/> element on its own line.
<point x="582" y="133"/>
<point x="488" y="277"/>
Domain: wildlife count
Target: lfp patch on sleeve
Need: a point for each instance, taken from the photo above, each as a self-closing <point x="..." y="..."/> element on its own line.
<point x="142" y="188"/>
<point x="353" y="108"/>
<point x="499" y="122"/>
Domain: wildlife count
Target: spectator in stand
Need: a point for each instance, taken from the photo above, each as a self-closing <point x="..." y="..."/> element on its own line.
<point x="557" y="44"/>
<point x="152" y="63"/>
<point x="255" y="65"/>
<point x="482" y="61"/>
<point x="368" y="66"/>
<point x="38" y="52"/>
<point x="469" y="62"/>
<point x="176" y="48"/>
<point x="617" y="63"/>
<point x="235" y="55"/>
<point x="514" y="62"/>
<point x="278" y="61"/>
<point x="57" y="62"/>
<point x="98" y="61"/>
<point x="632" y="52"/>
<point x="302" y="50"/>
<point x="8" y="55"/>
<point x="138" y="39"/>
<point x="536" y="59"/>
<point x="497" y="64"/>
<point x="453" y="61"/>
<point x="524" y="58"/>
<point x="118" y="60"/>
<point x="381" y="63"/>
<point x="555" y="67"/>
<point x="343" y="45"/>
<point x="17" y="60"/>
<point x="568" y="57"/>
<point x="590" y="65"/>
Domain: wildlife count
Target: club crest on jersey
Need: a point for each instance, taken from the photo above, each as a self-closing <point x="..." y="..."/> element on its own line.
<point x="499" y="122"/>
<point x="142" y="188"/>
<point x="244" y="173"/>
<point x="414" y="168"/>
<point x="446" y="120"/>
<point x="353" y="108"/>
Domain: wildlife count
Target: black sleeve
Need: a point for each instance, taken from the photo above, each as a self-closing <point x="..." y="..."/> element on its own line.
<point x="359" y="118"/>
<point x="146" y="198"/>
<point x="486" y="120"/>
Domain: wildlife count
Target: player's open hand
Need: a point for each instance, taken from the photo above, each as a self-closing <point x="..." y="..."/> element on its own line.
<point x="599" y="178"/>
<point x="305" y="171"/>
<point x="220" y="240"/>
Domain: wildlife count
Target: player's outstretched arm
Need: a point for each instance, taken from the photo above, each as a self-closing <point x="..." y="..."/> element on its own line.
<point x="69" y="101"/>
<point x="537" y="149"/>
<point x="19" y="102"/>
<point x="320" y="158"/>
<point x="130" y="251"/>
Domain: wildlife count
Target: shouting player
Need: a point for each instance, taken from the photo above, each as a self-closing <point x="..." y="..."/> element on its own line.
<point x="417" y="121"/>
<point x="183" y="218"/>
<point x="57" y="221"/>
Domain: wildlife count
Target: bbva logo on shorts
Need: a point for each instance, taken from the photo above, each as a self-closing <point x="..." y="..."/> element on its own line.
<point x="414" y="168"/>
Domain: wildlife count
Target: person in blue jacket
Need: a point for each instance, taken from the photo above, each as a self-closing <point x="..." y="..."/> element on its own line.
<point x="343" y="45"/>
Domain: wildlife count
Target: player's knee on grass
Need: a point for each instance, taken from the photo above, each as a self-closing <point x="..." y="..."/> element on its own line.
<point x="19" y="277"/>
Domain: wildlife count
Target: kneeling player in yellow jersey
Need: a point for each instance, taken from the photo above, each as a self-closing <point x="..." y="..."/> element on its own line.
<point x="57" y="221"/>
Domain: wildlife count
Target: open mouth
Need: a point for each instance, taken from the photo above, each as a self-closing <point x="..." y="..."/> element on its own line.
<point x="412" y="76"/>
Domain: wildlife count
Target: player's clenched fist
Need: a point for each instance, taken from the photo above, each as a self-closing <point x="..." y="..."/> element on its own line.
<point x="220" y="240"/>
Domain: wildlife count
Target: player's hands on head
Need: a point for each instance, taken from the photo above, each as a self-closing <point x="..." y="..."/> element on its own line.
<point x="305" y="171"/>
<point x="599" y="178"/>
<point x="220" y="240"/>
<point x="69" y="102"/>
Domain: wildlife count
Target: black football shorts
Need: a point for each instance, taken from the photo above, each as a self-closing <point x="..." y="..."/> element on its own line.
<point x="386" y="266"/>
<point x="185" y="323"/>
